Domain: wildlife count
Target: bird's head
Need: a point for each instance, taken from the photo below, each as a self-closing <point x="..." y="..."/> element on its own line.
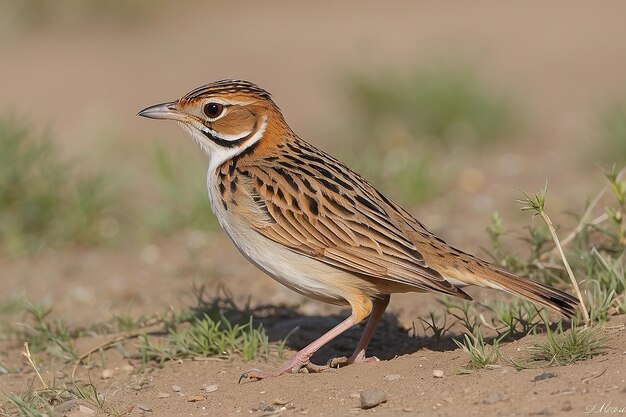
<point x="225" y="117"/>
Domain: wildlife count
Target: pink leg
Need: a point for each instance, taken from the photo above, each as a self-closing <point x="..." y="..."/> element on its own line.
<point x="380" y="304"/>
<point x="302" y="358"/>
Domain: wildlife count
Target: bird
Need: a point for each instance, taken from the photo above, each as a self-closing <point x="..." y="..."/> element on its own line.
<point x="318" y="227"/>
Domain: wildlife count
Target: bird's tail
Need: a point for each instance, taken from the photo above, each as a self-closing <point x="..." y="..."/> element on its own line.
<point x="484" y="274"/>
<point x="539" y="293"/>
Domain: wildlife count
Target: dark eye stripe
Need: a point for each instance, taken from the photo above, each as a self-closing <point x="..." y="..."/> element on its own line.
<point x="226" y="143"/>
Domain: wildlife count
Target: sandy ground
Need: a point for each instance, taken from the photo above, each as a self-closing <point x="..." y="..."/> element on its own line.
<point x="87" y="80"/>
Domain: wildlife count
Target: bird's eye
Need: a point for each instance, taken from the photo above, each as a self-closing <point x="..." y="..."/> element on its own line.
<point x="213" y="110"/>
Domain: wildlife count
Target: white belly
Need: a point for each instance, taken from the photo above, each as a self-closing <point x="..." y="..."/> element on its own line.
<point x="297" y="272"/>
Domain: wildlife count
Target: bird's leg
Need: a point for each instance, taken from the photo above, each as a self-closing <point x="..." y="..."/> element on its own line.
<point x="379" y="306"/>
<point x="302" y="358"/>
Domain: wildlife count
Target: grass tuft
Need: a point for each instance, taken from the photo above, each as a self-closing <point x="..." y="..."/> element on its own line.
<point x="207" y="337"/>
<point x="479" y="353"/>
<point x="567" y="347"/>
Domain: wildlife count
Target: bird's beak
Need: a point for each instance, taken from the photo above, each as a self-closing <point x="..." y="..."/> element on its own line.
<point x="163" y="111"/>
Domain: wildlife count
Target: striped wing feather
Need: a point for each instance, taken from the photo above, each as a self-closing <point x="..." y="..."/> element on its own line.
<point x="323" y="210"/>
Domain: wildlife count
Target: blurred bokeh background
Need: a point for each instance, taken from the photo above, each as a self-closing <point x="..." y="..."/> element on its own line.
<point x="449" y="109"/>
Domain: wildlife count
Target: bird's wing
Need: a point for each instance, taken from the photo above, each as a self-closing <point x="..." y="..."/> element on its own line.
<point x="312" y="204"/>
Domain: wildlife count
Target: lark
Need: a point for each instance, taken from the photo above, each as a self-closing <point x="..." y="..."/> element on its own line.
<point x="318" y="227"/>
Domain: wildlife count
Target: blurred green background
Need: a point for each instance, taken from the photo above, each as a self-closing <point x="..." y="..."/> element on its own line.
<point x="449" y="110"/>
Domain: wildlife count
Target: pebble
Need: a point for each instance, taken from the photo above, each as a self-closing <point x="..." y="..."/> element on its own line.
<point x="144" y="407"/>
<point x="86" y="411"/>
<point x="545" y="375"/>
<point x="107" y="373"/>
<point x="567" y="406"/>
<point x="163" y="395"/>
<point x="136" y="387"/>
<point x="392" y="377"/>
<point x="194" y="398"/>
<point x="263" y="406"/>
<point x="408" y="409"/>
<point x="127" y="369"/>
<point x="280" y="401"/>
<point x="176" y="388"/>
<point x="210" y="388"/>
<point x="438" y="373"/>
<point x="372" y="397"/>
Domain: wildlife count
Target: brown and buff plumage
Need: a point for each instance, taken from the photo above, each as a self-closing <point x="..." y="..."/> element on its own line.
<point x="317" y="226"/>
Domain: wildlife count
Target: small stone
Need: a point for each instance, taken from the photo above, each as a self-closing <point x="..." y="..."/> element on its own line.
<point x="163" y="395"/>
<point x="136" y="387"/>
<point x="86" y="410"/>
<point x="304" y="412"/>
<point x="194" y="398"/>
<point x="60" y="374"/>
<point x="107" y="373"/>
<point x="280" y="401"/>
<point x="567" y="406"/>
<point x="176" y="388"/>
<point x="408" y="409"/>
<point x="392" y="377"/>
<point x="438" y="373"/>
<point x="144" y="407"/>
<point x="372" y="397"/>
<point x="127" y="369"/>
<point x="545" y="375"/>
<point x="263" y="406"/>
<point x="492" y="366"/>
<point x="210" y="388"/>
<point x="355" y="395"/>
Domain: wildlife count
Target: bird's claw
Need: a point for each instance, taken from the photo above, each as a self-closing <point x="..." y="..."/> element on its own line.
<point x="249" y="375"/>
<point x="337" y="362"/>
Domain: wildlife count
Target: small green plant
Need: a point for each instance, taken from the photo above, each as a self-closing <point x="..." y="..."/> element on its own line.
<point x="479" y="353"/>
<point x="209" y="337"/>
<point x="52" y="336"/>
<point x="465" y="312"/>
<point x="536" y="203"/>
<point x="567" y="347"/>
<point x="40" y="402"/>
<point x="596" y="248"/>
<point x="439" y="330"/>
<point x="518" y="317"/>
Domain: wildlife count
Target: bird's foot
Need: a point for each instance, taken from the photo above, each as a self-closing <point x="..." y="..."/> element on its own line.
<point x="340" y="361"/>
<point x="293" y="366"/>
